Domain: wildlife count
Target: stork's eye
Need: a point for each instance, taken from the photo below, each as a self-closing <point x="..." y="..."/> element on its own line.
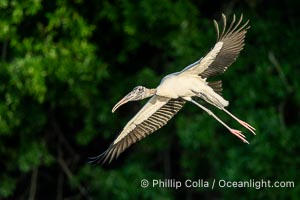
<point x="139" y="89"/>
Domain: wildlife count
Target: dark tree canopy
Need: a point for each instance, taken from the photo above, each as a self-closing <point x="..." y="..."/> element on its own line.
<point x="64" y="64"/>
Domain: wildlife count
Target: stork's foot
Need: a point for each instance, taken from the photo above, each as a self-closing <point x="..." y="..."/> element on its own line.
<point x="247" y="126"/>
<point x="239" y="134"/>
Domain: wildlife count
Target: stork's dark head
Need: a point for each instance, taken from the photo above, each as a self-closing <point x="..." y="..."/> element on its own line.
<point x="138" y="93"/>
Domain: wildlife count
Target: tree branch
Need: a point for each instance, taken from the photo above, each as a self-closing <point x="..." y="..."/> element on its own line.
<point x="277" y="66"/>
<point x="70" y="176"/>
<point x="33" y="184"/>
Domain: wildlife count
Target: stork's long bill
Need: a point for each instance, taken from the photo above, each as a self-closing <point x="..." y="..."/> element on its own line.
<point x="138" y="93"/>
<point x="180" y="87"/>
<point x="122" y="101"/>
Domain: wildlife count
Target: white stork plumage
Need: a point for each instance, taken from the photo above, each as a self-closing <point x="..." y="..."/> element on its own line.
<point x="178" y="88"/>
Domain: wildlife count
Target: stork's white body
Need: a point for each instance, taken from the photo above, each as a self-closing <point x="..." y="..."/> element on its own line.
<point x="188" y="85"/>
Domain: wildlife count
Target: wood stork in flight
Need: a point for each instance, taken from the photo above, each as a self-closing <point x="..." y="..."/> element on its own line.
<point x="180" y="87"/>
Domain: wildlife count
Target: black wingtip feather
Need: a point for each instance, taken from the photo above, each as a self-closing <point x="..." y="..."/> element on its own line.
<point x="95" y="160"/>
<point x="101" y="158"/>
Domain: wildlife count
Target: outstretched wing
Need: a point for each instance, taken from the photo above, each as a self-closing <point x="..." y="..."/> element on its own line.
<point x="229" y="44"/>
<point x="155" y="114"/>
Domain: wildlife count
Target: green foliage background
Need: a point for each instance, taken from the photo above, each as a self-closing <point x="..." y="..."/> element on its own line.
<point x="64" y="64"/>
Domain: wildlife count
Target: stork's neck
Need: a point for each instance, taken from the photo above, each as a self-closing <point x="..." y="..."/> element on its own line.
<point x="149" y="92"/>
<point x="153" y="91"/>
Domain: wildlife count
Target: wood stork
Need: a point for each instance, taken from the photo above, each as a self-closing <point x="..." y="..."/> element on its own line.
<point x="180" y="87"/>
